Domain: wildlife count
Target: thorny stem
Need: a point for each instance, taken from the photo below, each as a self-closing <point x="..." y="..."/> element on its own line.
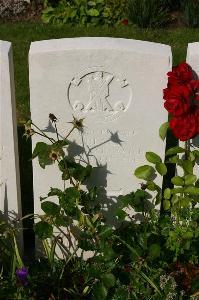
<point x="39" y="133"/>
<point x="69" y="132"/>
<point x="56" y="131"/>
<point x="187" y="149"/>
<point x="43" y="134"/>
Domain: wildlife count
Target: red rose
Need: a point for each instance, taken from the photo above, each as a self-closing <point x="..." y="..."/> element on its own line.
<point x="177" y="100"/>
<point x="194" y="88"/>
<point x="125" y="22"/>
<point x="187" y="126"/>
<point x="180" y="75"/>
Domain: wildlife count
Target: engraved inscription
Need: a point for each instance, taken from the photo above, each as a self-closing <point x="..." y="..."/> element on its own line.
<point x="96" y="91"/>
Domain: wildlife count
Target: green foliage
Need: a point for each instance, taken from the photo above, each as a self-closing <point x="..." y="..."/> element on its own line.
<point x="43" y="230"/>
<point x="163" y="130"/>
<point x="191" y="12"/>
<point x="148" y="13"/>
<point x="96" y="12"/>
<point x="153" y="157"/>
<point x="138" y="258"/>
<point x="145" y="172"/>
<point x="173" y="5"/>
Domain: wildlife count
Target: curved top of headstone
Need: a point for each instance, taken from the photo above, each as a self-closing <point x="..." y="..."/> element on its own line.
<point x="4" y="46"/>
<point x="99" y="43"/>
<point x="193" y="48"/>
<point x="10" y="196"/>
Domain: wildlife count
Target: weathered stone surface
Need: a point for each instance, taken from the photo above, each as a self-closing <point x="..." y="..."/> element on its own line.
<point x="193" y="57"/>
<point x="193" y="61"/>
<point x="10" y="202"/>
<point x="116" y="85"/>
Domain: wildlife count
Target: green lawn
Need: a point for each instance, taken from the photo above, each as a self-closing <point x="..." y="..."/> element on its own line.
<point x="21" y="35"/>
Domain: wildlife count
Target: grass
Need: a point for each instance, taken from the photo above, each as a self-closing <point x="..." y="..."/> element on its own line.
<point x="22" y="34"/>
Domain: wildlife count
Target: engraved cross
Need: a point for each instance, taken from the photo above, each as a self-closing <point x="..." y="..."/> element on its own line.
<point x="99" y="91"/>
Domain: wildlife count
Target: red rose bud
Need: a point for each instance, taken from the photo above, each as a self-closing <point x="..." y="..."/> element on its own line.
<point x="181" y="74"/>
<point x="125" y="22"/>
<point x="187" y="126"/>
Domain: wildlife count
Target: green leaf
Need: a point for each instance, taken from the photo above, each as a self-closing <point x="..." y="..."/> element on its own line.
<point x="177" y="190"/>
<point x="188" y="235"/>
<point x="69" y="200"/>
<point x="190" y="179"/>
<point x="151" y="186"/>
<point x="175" y="150"/>
<point x="184" y="202"/>
<point x="108" y="280"/>
<point x="93" y="12"/>
<point x="121" y="214"/>
<point x="163" y="130"/>
<point x="140" y="201"/>
<point x="42" y="150"/>
<point x="50" y="208"/>
<point x="126" y="200"/>
<point x="71" y="168"/>
<point x="149" y="281"/>
<point x="187" y="166"/>
<point x="167" y="193"/>
<point x="40" y="147"/>
<point x="72" y="193"/>
<point x="154" y="250"/>
<point x="43" y="230"/>
<point x="99" y="292"/>
<point x="166" y="204"/>
<point x="153" y="157"/>
<point x="174" y="159"/>
<point x="54" y="192"/>
<point x="161" y="168"/>
<point x="91" y="3"/>
<point x="62" y="220"/>
<point x="106" y="232"/>
<point x="158" y="198"/>
<point x="175" y="199"/>
<point x="196" y="153"/>
<point x="144" y="172"/>
<point x="192" y="190"/>
<point x="177" y="180"/>
<point x="60" y="144"/>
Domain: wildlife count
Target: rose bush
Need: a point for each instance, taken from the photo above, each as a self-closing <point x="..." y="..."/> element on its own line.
<point x="152" y="253"/>
<point x="182" y="102"/>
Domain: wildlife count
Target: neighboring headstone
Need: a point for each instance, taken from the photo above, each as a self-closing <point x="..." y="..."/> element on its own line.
<point x="116" y="85"/>
<point x="10" y="201"/>
<point x="193" y="61"/>
<point x="193" y="57"/>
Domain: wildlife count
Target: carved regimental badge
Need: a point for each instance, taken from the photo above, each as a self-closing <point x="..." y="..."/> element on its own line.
<point x="99" y="93"/>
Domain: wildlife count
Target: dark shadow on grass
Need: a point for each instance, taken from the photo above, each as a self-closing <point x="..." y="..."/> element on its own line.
<point x="25" y="162"/>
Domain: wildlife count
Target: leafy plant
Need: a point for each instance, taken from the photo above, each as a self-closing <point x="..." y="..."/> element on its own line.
<point x="148" y="13"/>
<point x="94" y="12"/>
<point x="191" y="12"/>
<point x="173" y="5"/>
<point x="150" y="254"/>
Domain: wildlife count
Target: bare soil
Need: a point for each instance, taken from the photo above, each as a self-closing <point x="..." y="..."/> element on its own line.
<point x="31" y="13"/>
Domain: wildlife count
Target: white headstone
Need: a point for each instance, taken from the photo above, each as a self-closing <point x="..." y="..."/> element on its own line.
<point x="193" y="61"/>
<point x="193" y="56"/>
<point x="10" y="202"/>
<point x="116" y="85"/>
